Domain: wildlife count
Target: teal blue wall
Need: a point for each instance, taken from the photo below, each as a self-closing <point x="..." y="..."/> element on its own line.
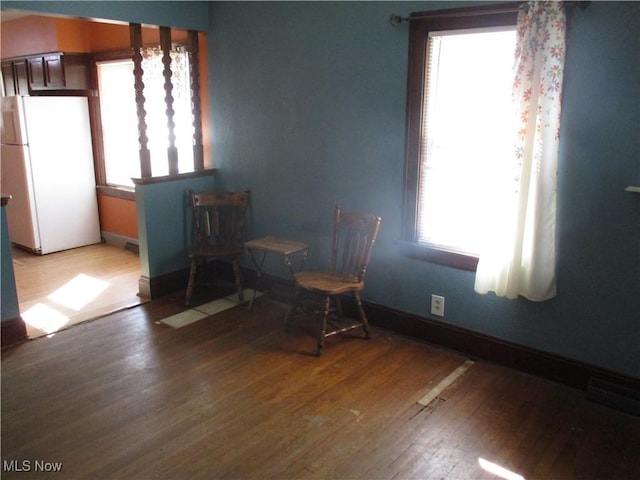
<point x="308" y="108"/>
<point x="9" y="308"/>
<point x="308" y="104"/>
<point x="164" y="224"/>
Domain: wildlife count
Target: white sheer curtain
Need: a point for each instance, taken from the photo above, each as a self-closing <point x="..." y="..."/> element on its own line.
<point x="519" y="257"/>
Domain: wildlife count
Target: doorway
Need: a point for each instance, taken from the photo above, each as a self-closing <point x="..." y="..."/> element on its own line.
<point x="62" y="289"/>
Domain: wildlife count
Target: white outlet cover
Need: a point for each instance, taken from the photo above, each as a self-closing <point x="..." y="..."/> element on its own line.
<point x="437" y="305"/>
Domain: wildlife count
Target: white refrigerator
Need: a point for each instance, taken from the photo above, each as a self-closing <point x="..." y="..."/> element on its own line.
<point x="46" y="165"/>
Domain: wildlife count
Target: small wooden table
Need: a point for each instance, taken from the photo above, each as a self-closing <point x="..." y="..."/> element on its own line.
<point x="279" y="246"/>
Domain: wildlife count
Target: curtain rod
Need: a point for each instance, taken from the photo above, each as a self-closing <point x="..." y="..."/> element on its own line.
<point x="396" y="20"/>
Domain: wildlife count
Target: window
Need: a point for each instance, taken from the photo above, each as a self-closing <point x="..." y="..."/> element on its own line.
<point x="119" y="119"/>
<point x="459" y="125"/>
<point x="119" y="122"/>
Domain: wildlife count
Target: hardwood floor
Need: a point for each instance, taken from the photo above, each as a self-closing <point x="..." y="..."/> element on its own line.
<point x="64" y="288"/>
<point x="238" y="396"/>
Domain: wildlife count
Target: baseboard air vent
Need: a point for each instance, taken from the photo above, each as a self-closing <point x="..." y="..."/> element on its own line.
<point x="132" y="247"/>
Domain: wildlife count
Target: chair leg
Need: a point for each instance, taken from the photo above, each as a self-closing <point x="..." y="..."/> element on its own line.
<point x="338" y="306"/>
<point x="293" y="307"/>
<point x="323" y="331"/>
<point x="236" y="273"/>
<point x="363" y="317"/>
<point x="192" y="281"/>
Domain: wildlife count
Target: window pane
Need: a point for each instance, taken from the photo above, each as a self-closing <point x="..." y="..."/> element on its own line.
<point x="467" y="135"/>
<point x="119" y="122"/>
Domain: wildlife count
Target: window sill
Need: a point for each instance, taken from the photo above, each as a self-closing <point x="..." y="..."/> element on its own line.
<point x="177" y="176"/>
<point x="441" y="256"/>
<point x="117" y="192"/>
<point x="130" y="194"/>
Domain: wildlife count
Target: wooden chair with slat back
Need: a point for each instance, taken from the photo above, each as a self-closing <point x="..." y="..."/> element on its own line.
<point x="218" y="230"/>
<point x="354" y="235"/>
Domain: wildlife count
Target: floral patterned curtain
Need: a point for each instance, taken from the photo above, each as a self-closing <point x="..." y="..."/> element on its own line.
<point x="521" y="257"/>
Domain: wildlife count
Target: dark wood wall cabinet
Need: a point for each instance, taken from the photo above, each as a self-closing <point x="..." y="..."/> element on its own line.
<point x="47" y="73"/>
<point x="14" y="78"/>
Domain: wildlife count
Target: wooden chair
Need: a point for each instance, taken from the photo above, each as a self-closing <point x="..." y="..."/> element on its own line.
<point x="354" y="235"/>
<point x="218" y="228"/>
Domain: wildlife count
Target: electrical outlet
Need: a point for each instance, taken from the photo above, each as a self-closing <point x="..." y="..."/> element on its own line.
<point x="437" y="305"/>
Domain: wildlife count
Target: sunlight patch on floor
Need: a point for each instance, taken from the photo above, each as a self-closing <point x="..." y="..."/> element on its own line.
<point x="45" y="318"/>
<point x="78" y="300"/>
<point x="79" y="292"/>
<point x="498" y="470"/>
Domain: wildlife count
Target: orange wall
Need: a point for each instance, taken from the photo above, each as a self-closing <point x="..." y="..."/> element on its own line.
<point x="35" y="34"/>
<point x="73" y="35"/>
<point x="28" y="35"/>
<point x="105" y="36"/>
<point x="118" y="215"/>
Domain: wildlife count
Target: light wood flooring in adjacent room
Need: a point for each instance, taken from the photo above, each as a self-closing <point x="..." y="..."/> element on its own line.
<point x="235" y="395"/>
<point x="58" y="290"/>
